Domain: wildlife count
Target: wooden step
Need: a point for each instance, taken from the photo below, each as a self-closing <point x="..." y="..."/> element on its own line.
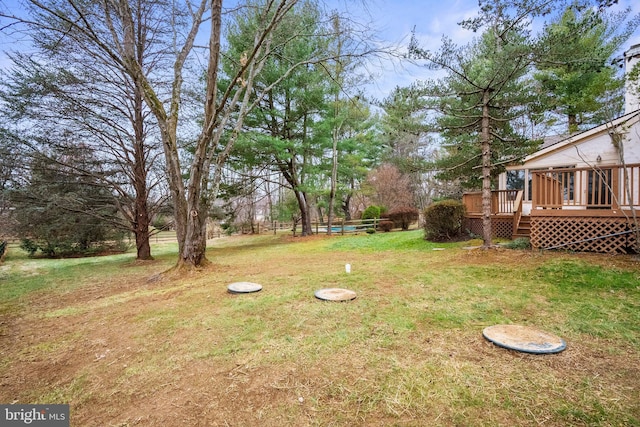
<point x="524" y="228"/>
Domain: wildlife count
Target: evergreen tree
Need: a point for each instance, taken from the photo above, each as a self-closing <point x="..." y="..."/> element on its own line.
<point x="11" y="170"/>
<point x="358" y="151"/>
<point x="302" y="124"/>
<point x="62" y="213"/>
<point x="483" y="93"/>
<point x="575" y="73"/>
<point x="405" y="134"/>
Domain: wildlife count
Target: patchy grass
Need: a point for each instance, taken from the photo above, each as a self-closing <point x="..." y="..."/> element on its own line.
<point x="125" y="346"/>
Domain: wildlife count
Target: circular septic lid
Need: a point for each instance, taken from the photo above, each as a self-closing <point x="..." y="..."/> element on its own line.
<point x="335" y="294"/>
<point x="524" y="338"/>
<point x="244" y="287"/>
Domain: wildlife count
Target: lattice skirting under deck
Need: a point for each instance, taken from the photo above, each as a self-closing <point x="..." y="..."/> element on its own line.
<point x="502" y="227"/>
<point x="583" y="234"/>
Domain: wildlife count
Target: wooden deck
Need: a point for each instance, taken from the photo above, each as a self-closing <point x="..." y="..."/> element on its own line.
<point x="580" y="209"/>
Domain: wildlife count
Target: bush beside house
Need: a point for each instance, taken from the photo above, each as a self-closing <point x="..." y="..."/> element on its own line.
<point x="443" y="220"/>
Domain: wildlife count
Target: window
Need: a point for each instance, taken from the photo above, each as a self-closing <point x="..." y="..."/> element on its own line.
<point x="515" y="180"/>
<point x="599" y="192"/>
<point x="520" y="180"/>
<point x="566" y="179"/>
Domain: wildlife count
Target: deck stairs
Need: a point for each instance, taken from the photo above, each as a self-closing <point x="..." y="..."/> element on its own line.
<point x="523" y="228"/>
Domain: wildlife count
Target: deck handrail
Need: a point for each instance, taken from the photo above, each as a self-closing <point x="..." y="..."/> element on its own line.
<point x="517" y="210"/>
<point x="502" y="201"/>
<point x="601" y="187"/>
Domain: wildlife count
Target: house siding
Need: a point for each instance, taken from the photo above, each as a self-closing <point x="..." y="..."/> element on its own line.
<point x="582" y="154"/>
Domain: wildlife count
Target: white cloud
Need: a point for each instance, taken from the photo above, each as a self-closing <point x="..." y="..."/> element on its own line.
<point x="396" y="19"/>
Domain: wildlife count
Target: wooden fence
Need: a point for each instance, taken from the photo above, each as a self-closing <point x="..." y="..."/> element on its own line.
<point x="338" y="227"/>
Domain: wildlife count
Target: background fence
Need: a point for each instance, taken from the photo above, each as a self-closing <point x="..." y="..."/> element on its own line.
<point x="319" y="227"/>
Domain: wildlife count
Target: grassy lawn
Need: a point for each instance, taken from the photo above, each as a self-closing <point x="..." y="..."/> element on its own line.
<point x="126" y="345"/>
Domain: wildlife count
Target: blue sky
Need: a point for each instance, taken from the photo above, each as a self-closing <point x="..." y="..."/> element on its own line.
<point x="432" y="19"/>
<point x="393" y="20"/>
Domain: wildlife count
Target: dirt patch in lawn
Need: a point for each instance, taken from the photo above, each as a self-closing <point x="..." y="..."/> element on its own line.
<point x="183" y="351"/>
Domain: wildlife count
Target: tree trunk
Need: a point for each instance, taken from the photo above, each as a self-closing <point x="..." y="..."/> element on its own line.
<point x="334" y="178"/>
<point x="192" y="203"/>
<point x="618" y="140"/>
<point x="319" y="212"/>
<point x="485" y="136"/>
<point x="346" y="204"/>
<point x="192" y="253"/>
<point x="305" y="214"/>
<point x="143" y="248"/>
<point x="142" y="218"/>
<point x="573" y="123"/>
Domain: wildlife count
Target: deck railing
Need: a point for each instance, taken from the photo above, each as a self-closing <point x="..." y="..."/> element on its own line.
<point x="517" y="211"/>
<point x="605" y="187"/>
<point x="502" y="201"/>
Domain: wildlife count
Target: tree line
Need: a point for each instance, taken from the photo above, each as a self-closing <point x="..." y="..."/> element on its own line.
<point x="127" y="110"/>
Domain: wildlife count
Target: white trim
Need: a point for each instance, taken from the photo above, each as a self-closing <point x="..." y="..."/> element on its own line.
<point x="577" y="138"/>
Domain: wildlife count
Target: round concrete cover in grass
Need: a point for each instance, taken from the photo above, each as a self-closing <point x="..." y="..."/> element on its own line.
<point x="244" y="287"/>
<point x="524" y="338"/>
<point x="335" y="294"/>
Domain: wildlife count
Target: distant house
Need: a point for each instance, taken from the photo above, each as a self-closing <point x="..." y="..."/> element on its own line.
<point x="578" y="192"/>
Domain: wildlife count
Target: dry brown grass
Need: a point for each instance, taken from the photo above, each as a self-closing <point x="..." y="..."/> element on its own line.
<point x="127" y="346"/>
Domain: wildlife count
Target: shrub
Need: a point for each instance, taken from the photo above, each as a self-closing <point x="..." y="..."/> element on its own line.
<point x="519" y="243"/>
<point x="62" y="248"/>
<point x="29" y="246"/>
<point x="372" y="212"/>
<point x="228" y="228"/>
<point x="370" y="230"/>
<point x="443" y="220"/>
<point x="385" y="225"/>
<point x="404" y="216"/>
<point x="162" y="222"/>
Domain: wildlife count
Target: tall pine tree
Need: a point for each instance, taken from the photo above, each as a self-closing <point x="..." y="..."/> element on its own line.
<point x="483" y="93"/>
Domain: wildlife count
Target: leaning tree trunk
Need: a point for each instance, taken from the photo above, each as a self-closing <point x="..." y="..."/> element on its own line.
<point x="192" y="252"/>
<point x="485" y="137"/>
<point x="617" y="139"/>
<point x="305" y="214"/>
<point x="346" y="203"/>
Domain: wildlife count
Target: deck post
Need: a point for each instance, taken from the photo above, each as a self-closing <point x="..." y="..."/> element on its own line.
<point x="615" y="188"/>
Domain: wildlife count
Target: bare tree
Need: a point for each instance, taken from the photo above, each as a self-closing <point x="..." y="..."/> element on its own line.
<point x="10" y="167"/>
<point x="391" y="189"/>
<point x="109" y="27"/>
<point x="67" y="90"/>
